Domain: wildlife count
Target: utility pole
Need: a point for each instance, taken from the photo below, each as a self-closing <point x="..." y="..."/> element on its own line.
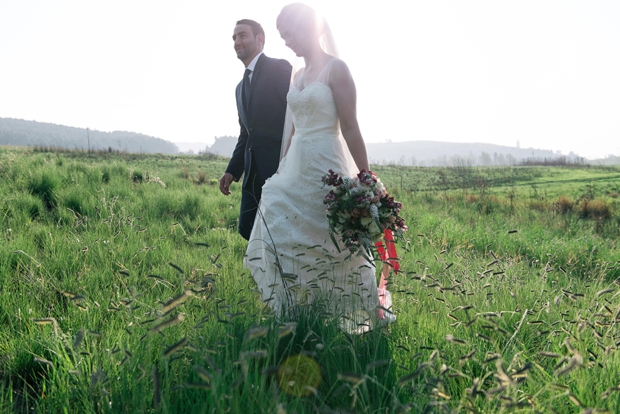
<point x="88" y="137"/>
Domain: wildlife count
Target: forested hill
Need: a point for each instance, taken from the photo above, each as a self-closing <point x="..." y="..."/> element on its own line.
<point x="32" y="133"/>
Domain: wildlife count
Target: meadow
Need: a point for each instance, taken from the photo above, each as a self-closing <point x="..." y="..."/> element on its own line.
<point x="122" y="290"/>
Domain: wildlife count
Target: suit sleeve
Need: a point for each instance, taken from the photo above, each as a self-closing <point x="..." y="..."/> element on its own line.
<point x="236" y="165"/>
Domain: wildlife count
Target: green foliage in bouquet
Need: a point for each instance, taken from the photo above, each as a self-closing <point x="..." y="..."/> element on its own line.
<point x="359" y="210"/>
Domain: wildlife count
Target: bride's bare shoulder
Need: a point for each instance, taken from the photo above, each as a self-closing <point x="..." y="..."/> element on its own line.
<point x="339" y="71"/>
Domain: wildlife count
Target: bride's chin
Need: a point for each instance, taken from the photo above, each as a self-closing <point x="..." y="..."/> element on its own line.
<point x="297" y="53"/>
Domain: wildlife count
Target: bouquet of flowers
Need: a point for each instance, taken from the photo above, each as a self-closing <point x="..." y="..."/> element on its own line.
<point x="359" y="210"/>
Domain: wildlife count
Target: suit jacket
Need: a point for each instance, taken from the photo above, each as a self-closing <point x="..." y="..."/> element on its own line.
<point x="262" y="124"/>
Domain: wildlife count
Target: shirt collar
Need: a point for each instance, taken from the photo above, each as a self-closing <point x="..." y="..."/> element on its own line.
<point x="252" y="64"/>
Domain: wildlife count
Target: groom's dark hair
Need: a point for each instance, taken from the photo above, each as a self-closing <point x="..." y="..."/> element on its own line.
<point x="256" y="27"/>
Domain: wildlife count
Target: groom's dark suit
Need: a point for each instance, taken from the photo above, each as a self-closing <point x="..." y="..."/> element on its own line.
<point x="257" y="153"/>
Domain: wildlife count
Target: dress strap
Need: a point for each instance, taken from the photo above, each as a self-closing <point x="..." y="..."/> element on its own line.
<point x="324" y="75"/>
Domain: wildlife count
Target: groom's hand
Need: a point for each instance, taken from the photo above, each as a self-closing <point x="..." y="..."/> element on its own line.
<point x="225" y="181"/>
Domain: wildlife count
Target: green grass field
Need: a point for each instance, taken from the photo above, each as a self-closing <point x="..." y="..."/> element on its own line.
<point x="122" y="289"/>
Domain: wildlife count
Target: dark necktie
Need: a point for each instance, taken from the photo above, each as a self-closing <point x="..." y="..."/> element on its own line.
<point x="245" y="89"/>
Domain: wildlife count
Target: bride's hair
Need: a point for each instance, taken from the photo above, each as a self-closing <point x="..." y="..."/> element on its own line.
<point x="303" y="17"/>
<point x="309" y="21"/>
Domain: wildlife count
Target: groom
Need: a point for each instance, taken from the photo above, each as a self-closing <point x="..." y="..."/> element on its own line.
<point x="261" y="105"/>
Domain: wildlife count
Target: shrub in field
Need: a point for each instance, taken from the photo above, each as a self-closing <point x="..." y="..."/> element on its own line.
<point x="44" y="186"/>
<point x="105" y="175"/>
<point x="208" y="156"/>
<point x="595" y="209"/>
<point x="564" y="205"/>
<point x="136" y="177"/>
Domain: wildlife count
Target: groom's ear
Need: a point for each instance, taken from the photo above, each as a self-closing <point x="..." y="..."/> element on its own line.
<point x="261" y="40"/>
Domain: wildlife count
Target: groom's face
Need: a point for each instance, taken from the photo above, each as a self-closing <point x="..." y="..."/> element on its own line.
<point x="247" y="45"/>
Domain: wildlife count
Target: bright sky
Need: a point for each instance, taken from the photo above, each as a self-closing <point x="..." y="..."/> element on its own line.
<point x="543" y="72"/>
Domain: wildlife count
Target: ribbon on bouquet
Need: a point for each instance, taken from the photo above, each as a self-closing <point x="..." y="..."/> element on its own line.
<point x="387" y="254"/>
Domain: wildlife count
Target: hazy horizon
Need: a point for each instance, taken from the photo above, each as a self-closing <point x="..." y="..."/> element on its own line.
<point x="196" y="146"/>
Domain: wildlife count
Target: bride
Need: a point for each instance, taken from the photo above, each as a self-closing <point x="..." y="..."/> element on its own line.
<point x="290" y="253"/>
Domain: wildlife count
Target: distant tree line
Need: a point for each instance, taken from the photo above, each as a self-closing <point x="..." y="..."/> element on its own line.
<point x="609" y="160"/>
<point x="559" y="161"/>
<point x="440" y="154"/>
<point x="482" y="159"/>
<point x="223" y="146"/>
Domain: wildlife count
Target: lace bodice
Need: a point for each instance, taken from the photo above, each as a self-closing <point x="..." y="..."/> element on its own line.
<point x="313" y="108"/>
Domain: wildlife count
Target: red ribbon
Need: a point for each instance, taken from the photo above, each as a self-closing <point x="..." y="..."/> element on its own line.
<point x="388" y="256"/>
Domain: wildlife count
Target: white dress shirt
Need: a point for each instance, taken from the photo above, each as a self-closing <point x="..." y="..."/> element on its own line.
<point x="252" y="65"/>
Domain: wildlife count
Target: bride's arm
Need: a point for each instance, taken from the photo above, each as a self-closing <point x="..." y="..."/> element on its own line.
<point x="345" y="95"/>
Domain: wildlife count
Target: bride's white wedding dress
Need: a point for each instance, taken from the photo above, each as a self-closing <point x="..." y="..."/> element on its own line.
<point x="290" y="253"/>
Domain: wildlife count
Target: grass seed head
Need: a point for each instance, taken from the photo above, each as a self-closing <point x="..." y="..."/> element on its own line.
<point x="168" y="323"/>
